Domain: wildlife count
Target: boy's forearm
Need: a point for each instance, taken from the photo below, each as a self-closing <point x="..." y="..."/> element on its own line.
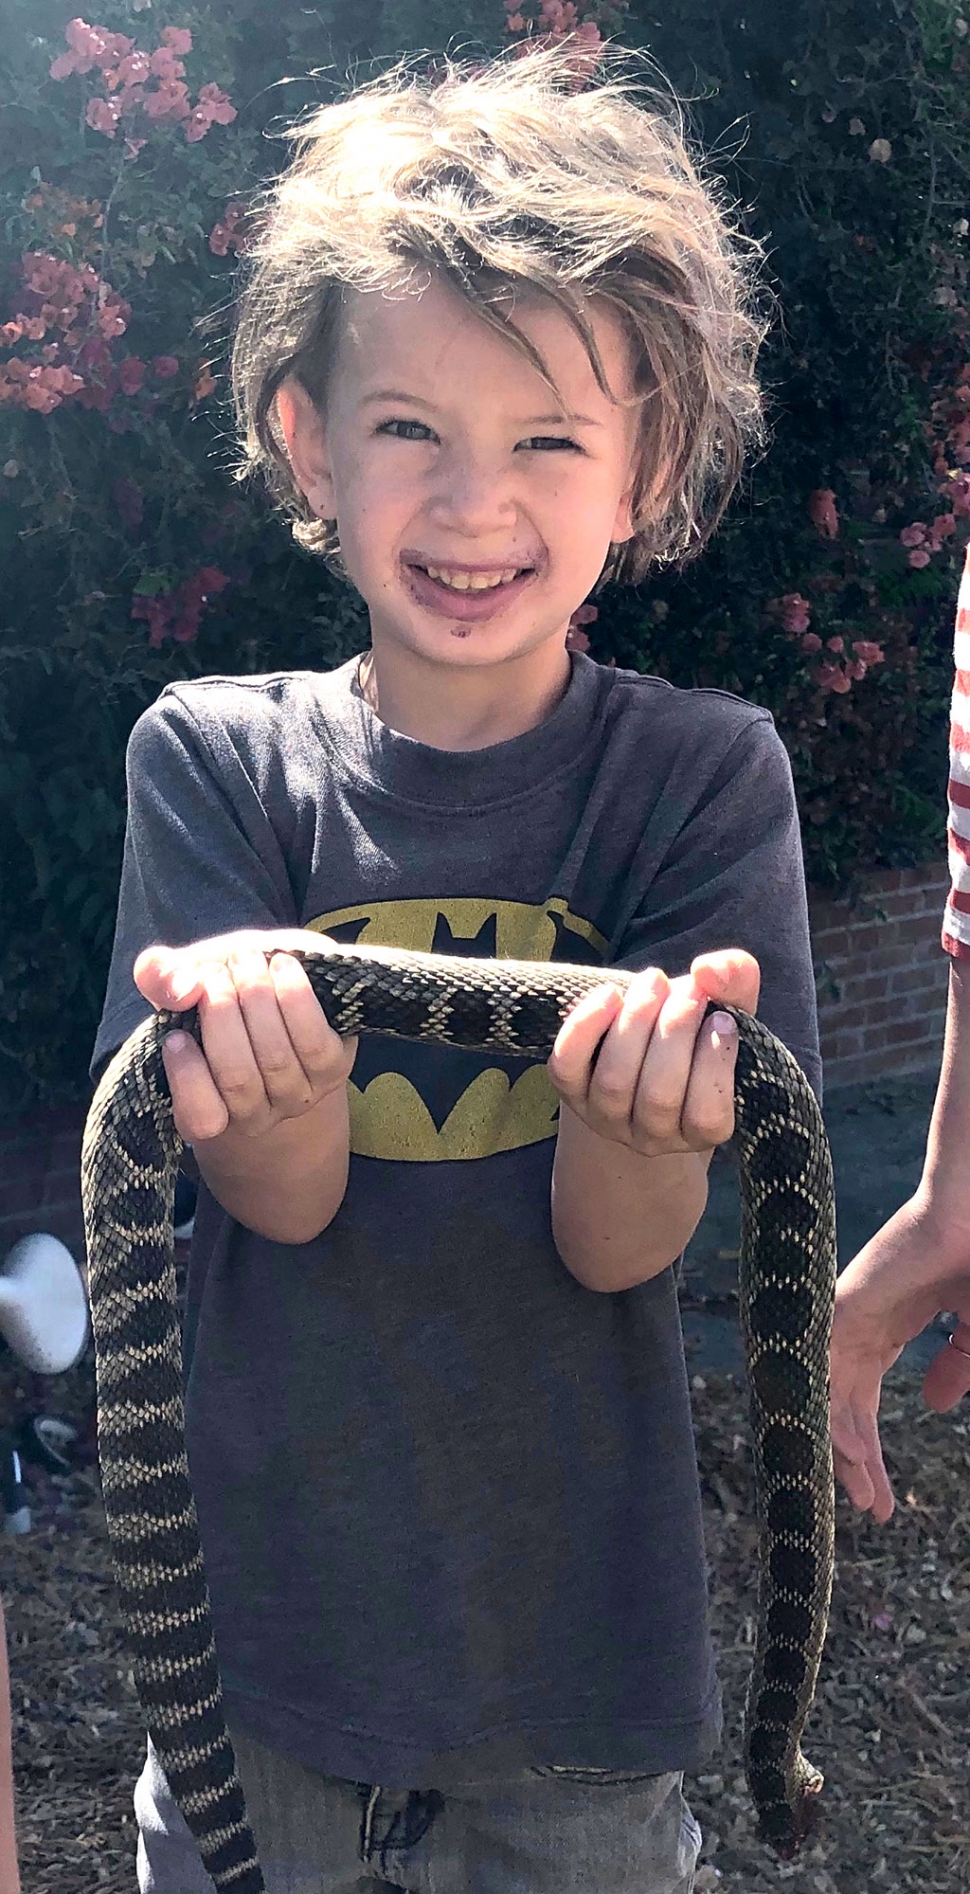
<point x="288" y="1184"/>
<point x="945" y="1184"/>
<point x="619" y="1218"/>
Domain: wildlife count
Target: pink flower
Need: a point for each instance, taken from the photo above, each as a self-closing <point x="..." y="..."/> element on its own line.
<point x="869" y="653"/>
<point x="171" y="101"/>
<point x="196" y="125"/>
<point x="135" y="69"/>
<point x="63" y="65"/>
<point x="913" y="535"/>
<point x="217" y="103"/>
<point x="919" y="557"/>
<point x="112" y="319"/>
<point x="944" y="525"/>
<point x="165" y="366"/>
<point x="103" y="115"/>
<point x="84" y="40"/>
<point x="131" y="374"/>
<point x="822" y="512"/>
<point x="831" y="677"/>
<point x="177" y="38"/>
<point x="212" y="579"/>
<point x="576" y="640"/>
<point x="219" y="240"/>
<point x="165" y="66"/>
<point x="835" y="644"/>
<point x="810" y="642"/>
<point x="796" y="613"/>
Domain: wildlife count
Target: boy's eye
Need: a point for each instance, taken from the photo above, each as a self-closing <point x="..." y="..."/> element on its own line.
<point x="417" y="430"/>
<point x="386" y="426"/>
<point x="553" y="440"/>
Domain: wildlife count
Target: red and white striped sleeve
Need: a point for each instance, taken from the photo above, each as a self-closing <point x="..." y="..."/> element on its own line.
<point x="956" y="920"/>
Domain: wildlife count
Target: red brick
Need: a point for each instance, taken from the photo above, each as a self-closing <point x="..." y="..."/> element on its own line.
<point x="906" y="1031"/>
<point x="919" y="927"/>
<point x="831" y="944"/>
<point x="843" y="1043"/>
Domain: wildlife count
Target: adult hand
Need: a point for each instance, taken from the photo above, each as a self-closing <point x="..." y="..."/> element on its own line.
<point x="900" y="1280"/>
<point x="267" y="1051"/>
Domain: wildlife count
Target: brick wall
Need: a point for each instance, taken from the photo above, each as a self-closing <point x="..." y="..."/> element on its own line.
<point x="882" y="983"/>
<point x="40" y="1154"/>
<point x="882" y="1001"/>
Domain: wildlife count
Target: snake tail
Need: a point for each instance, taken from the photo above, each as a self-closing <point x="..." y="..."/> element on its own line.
<point x="128" y="1185"/>
<point x="786" y="1300"/>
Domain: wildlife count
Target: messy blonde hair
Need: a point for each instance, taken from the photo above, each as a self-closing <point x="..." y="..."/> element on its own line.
<point x="502" y="177"/>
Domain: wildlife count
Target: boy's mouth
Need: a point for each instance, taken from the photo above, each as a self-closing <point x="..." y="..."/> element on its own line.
<point x="466" y="595"/>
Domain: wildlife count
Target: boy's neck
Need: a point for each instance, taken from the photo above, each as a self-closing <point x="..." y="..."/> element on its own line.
<point x="464" y="709"/>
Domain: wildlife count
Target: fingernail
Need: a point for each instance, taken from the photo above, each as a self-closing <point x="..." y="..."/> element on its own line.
<point x="724" y="1027"/>
<point x="176" y="1041"/>
<point x="181" y="988"/>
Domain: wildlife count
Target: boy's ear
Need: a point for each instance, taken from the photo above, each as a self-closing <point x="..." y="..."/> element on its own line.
<point x="303" y="431"/>
<point x="624" y="525"/>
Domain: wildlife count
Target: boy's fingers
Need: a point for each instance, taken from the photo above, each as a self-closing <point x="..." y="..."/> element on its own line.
<point x="275" y="1062"/>
<point x="615" y="1078"/>
<point x="197" y="1108"/>
<point x="732" y="975"/>
<point x="227" y="1045"/>
<point x="665" y="1073"/>
<point x="321" y="1051"/>
<point x="578" y="1038"/>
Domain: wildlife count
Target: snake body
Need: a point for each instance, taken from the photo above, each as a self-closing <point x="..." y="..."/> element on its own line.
<point x="129" y="1163"/>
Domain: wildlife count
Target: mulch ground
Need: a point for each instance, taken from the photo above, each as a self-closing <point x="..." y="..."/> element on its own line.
<point x="890" y="1725"/>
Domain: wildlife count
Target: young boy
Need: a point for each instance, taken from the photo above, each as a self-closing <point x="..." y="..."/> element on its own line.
<point x="494" y="344"/>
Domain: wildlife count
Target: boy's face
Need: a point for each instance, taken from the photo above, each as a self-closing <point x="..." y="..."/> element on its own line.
<point x="441" y="447"/>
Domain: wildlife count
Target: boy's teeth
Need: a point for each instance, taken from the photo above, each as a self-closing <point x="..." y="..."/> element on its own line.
<point x="472" y="581"/>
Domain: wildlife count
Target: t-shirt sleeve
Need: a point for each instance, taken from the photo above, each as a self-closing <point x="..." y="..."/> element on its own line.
<point x="200" y="857"/>
<point x="734" y="878"/>
<point x="956" y="918"/>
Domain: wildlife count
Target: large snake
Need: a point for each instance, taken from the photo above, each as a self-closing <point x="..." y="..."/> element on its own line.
<point x="129" y="1163"/>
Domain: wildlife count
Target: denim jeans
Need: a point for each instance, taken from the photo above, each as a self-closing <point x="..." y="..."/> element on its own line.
<point x="550" y="1830"/>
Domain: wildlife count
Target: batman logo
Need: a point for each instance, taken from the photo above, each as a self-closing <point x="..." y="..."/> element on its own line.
<point x="426" y="1103"/>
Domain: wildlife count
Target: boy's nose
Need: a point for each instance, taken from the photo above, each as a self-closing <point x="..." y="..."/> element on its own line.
<point x="475" y="494"/>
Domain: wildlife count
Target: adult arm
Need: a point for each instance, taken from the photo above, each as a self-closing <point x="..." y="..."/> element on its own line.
<point x="919" y="1262"/>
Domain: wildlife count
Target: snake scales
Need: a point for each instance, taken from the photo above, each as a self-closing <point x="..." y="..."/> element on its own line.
<point x="129" y="1162"/>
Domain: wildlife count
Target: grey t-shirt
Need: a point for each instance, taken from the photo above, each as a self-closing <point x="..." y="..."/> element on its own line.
<point x="448" y="1497"/>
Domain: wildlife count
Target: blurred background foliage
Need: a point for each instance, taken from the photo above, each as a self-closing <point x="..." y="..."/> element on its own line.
<point x="841" y="130"/>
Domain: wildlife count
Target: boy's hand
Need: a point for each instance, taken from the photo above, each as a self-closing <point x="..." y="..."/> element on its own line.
<point x="644" y="1069"/>
<point x="267" y="1052"/>
<point x="903" y="1277"/>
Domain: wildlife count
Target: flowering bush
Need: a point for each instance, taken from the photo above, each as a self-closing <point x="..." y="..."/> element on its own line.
<point x="136" y="81"/>
<point x="130" y="145"/>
